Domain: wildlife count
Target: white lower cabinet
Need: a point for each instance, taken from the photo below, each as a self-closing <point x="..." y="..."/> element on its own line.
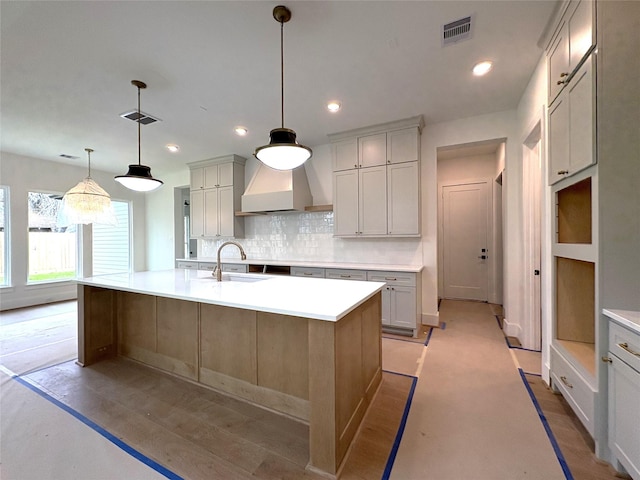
<point x="400" y="302"/>
<point x="575" y="389"/>
<point x="307" y="272"/>
<point x="624" y="397"/>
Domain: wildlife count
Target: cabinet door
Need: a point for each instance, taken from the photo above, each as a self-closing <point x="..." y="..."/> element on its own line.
<point x="372" y="150"/>
<point x="559" y="140"/>
<point x="197" y="213"/>
<point x="345" y="203"/>
<point x="211" y="213"/>
<point x="582" y="118"/>
<point x="624" y="415"/>
<point x="403" y="146"/>
<point x="210" y="176"/>
<point x="386" y="306"/>
<point x="225" y="174"/>
<point x="581" y="33"/>
<point x="403" y="307"/>
<point x="403" y="186"/>
<point x="197" y="178"/>
<point x="558" y="62"/>
<point x="345" y="154"/>
<point x="372" y="199"/>
<point x="226" y="214"/>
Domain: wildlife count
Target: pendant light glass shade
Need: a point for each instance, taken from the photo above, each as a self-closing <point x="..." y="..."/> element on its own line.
<point x="138" y="176"/>
<point x="86" y="203"/>
<point x="283" y="151"/>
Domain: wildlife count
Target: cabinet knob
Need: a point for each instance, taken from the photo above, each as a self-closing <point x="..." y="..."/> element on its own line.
<point x="355" y="165"/>
<point x="606" y="360"/>
<point x="560" y="82"/>
<point x="564" y="74"/>
<point x="563" y="172"/>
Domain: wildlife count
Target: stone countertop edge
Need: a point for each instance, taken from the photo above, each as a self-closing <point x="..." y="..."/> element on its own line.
<point x="285" y="295"/>
<point x="626" y="318"/>
<point x="310" y="264"/>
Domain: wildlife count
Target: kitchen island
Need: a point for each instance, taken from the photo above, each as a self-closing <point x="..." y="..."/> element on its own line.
<point x="308" y="348"/>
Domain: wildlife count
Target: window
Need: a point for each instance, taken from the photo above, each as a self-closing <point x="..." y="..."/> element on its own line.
<point x="4" y="236"/>
<point x="110" y="244"/>
<point x="52" y="250"/>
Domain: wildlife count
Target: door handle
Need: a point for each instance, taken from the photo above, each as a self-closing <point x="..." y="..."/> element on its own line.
<point x="482" y="257"/>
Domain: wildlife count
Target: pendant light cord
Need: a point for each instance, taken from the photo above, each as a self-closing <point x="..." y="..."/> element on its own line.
<point x="89" y="155"/>
<point x="138" y="125"/>
<point x="282" y="70"/>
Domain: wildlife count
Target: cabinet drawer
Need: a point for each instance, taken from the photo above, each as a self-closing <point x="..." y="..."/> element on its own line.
<point x="188" y="265"/>
<point x="574" y="389"/>
<point x="211" y="266"/>
<point x="625" y="345"/>
<point x="393" y="278"/>
<point x="346" y="274"/>
<point x="235" y="267"/>
<point x="307" y="272"/>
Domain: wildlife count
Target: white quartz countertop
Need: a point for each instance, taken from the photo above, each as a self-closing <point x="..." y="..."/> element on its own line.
<point x="626" y="318"/>
<point x="317" y="298"/>
<point x="313" y="263"/>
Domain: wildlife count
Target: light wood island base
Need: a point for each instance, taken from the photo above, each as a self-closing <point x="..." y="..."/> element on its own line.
<point x="324" y="373"/>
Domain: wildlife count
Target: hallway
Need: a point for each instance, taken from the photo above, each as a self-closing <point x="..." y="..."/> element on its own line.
<point x="470" y="416"/>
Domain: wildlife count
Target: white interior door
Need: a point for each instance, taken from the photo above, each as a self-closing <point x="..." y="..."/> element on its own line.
<point x="465" y="226"/>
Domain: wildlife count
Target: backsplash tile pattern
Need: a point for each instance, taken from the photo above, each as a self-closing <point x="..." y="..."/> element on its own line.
<point x="308" y="236"/>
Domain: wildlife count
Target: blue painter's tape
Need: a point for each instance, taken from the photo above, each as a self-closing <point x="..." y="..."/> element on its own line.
<point x="426" y="341"/>
<point x="109" y="436"/>
<point x="547" y="428"/>
<point x="401" y="427"/>
<point x="443" y="325"/>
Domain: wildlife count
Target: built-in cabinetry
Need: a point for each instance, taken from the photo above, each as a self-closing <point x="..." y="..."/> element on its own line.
<point x="376" y="180"/>
<point x="593" y="173"/>
<point x="624" y="389"/>
<point x="216" y="188"/>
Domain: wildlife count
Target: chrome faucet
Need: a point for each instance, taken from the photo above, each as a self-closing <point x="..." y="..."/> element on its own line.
<point x="218" y="271"/>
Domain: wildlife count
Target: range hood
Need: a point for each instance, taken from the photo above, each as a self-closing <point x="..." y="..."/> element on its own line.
<point x="273" y="190"/>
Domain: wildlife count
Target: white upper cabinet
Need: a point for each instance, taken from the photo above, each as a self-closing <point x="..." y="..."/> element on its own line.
<point x="216" y="188"/>
<point x="573" y="41"/>
<point x="572" y="117"/>
<point x="376" y="180"/>
<point x="372" y="150"/>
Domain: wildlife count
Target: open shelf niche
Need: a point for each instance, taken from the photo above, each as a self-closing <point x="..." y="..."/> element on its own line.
<point x="574" y="213"/>
<point x="575" y="309"/>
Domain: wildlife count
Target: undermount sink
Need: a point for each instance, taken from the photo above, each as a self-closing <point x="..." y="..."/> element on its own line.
<point x="235" y="277"/>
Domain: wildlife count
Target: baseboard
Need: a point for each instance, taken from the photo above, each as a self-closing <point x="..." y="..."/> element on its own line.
<point x="37" y="295"/>
<point x="512" y="329"/>
<point x="431" y="319"/>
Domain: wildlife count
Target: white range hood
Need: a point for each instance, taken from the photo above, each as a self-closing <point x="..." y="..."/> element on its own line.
<point x="277" y="191"/>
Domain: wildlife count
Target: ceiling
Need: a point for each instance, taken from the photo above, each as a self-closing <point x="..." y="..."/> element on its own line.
<point x="66" y="71"/>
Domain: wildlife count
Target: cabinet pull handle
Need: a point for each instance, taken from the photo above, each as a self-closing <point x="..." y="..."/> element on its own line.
<point x="307" y="273"/>
<point x="391" y="279"/>
<point x="564" y="74"/>
<point x="564" y="380"/>
<point x="625" y="346"/>
<point x="606" y="359"/>
<point x="345" y="276"/>
<point x="560" y="82"/>
<point x="563" y="172"/>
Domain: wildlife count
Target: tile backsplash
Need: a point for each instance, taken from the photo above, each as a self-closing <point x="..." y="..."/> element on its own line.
<point x="308" y="236"/>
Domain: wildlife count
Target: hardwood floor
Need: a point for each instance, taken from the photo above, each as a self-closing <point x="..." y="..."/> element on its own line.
<point x="198" y="433"/>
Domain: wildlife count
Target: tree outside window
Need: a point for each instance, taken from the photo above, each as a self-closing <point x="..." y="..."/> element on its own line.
<point x="52" y="249"/>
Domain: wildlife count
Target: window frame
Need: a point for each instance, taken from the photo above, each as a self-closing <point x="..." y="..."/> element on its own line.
<point x="6" y="234"/>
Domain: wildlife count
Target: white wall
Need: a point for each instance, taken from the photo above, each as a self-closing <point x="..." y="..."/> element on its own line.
<point x="476" y="129"/>
<point x="23" y="174"/>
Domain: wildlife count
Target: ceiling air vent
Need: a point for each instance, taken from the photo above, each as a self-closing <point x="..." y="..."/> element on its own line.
<point x="140" y="117"/>
<point x="454" y="32"/>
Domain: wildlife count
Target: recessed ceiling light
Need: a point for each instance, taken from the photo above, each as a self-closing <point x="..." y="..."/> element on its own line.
<point x="333" y="106"/>
<point x="240" y="131"/>
<point x="482" y="68"/>
<point x="173" y="148"/>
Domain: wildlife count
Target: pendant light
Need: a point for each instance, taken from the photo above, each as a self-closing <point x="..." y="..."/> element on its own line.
<point x="86" y="203"/>
<point x="139" y="177"/>
<point x="283" y="151"/>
